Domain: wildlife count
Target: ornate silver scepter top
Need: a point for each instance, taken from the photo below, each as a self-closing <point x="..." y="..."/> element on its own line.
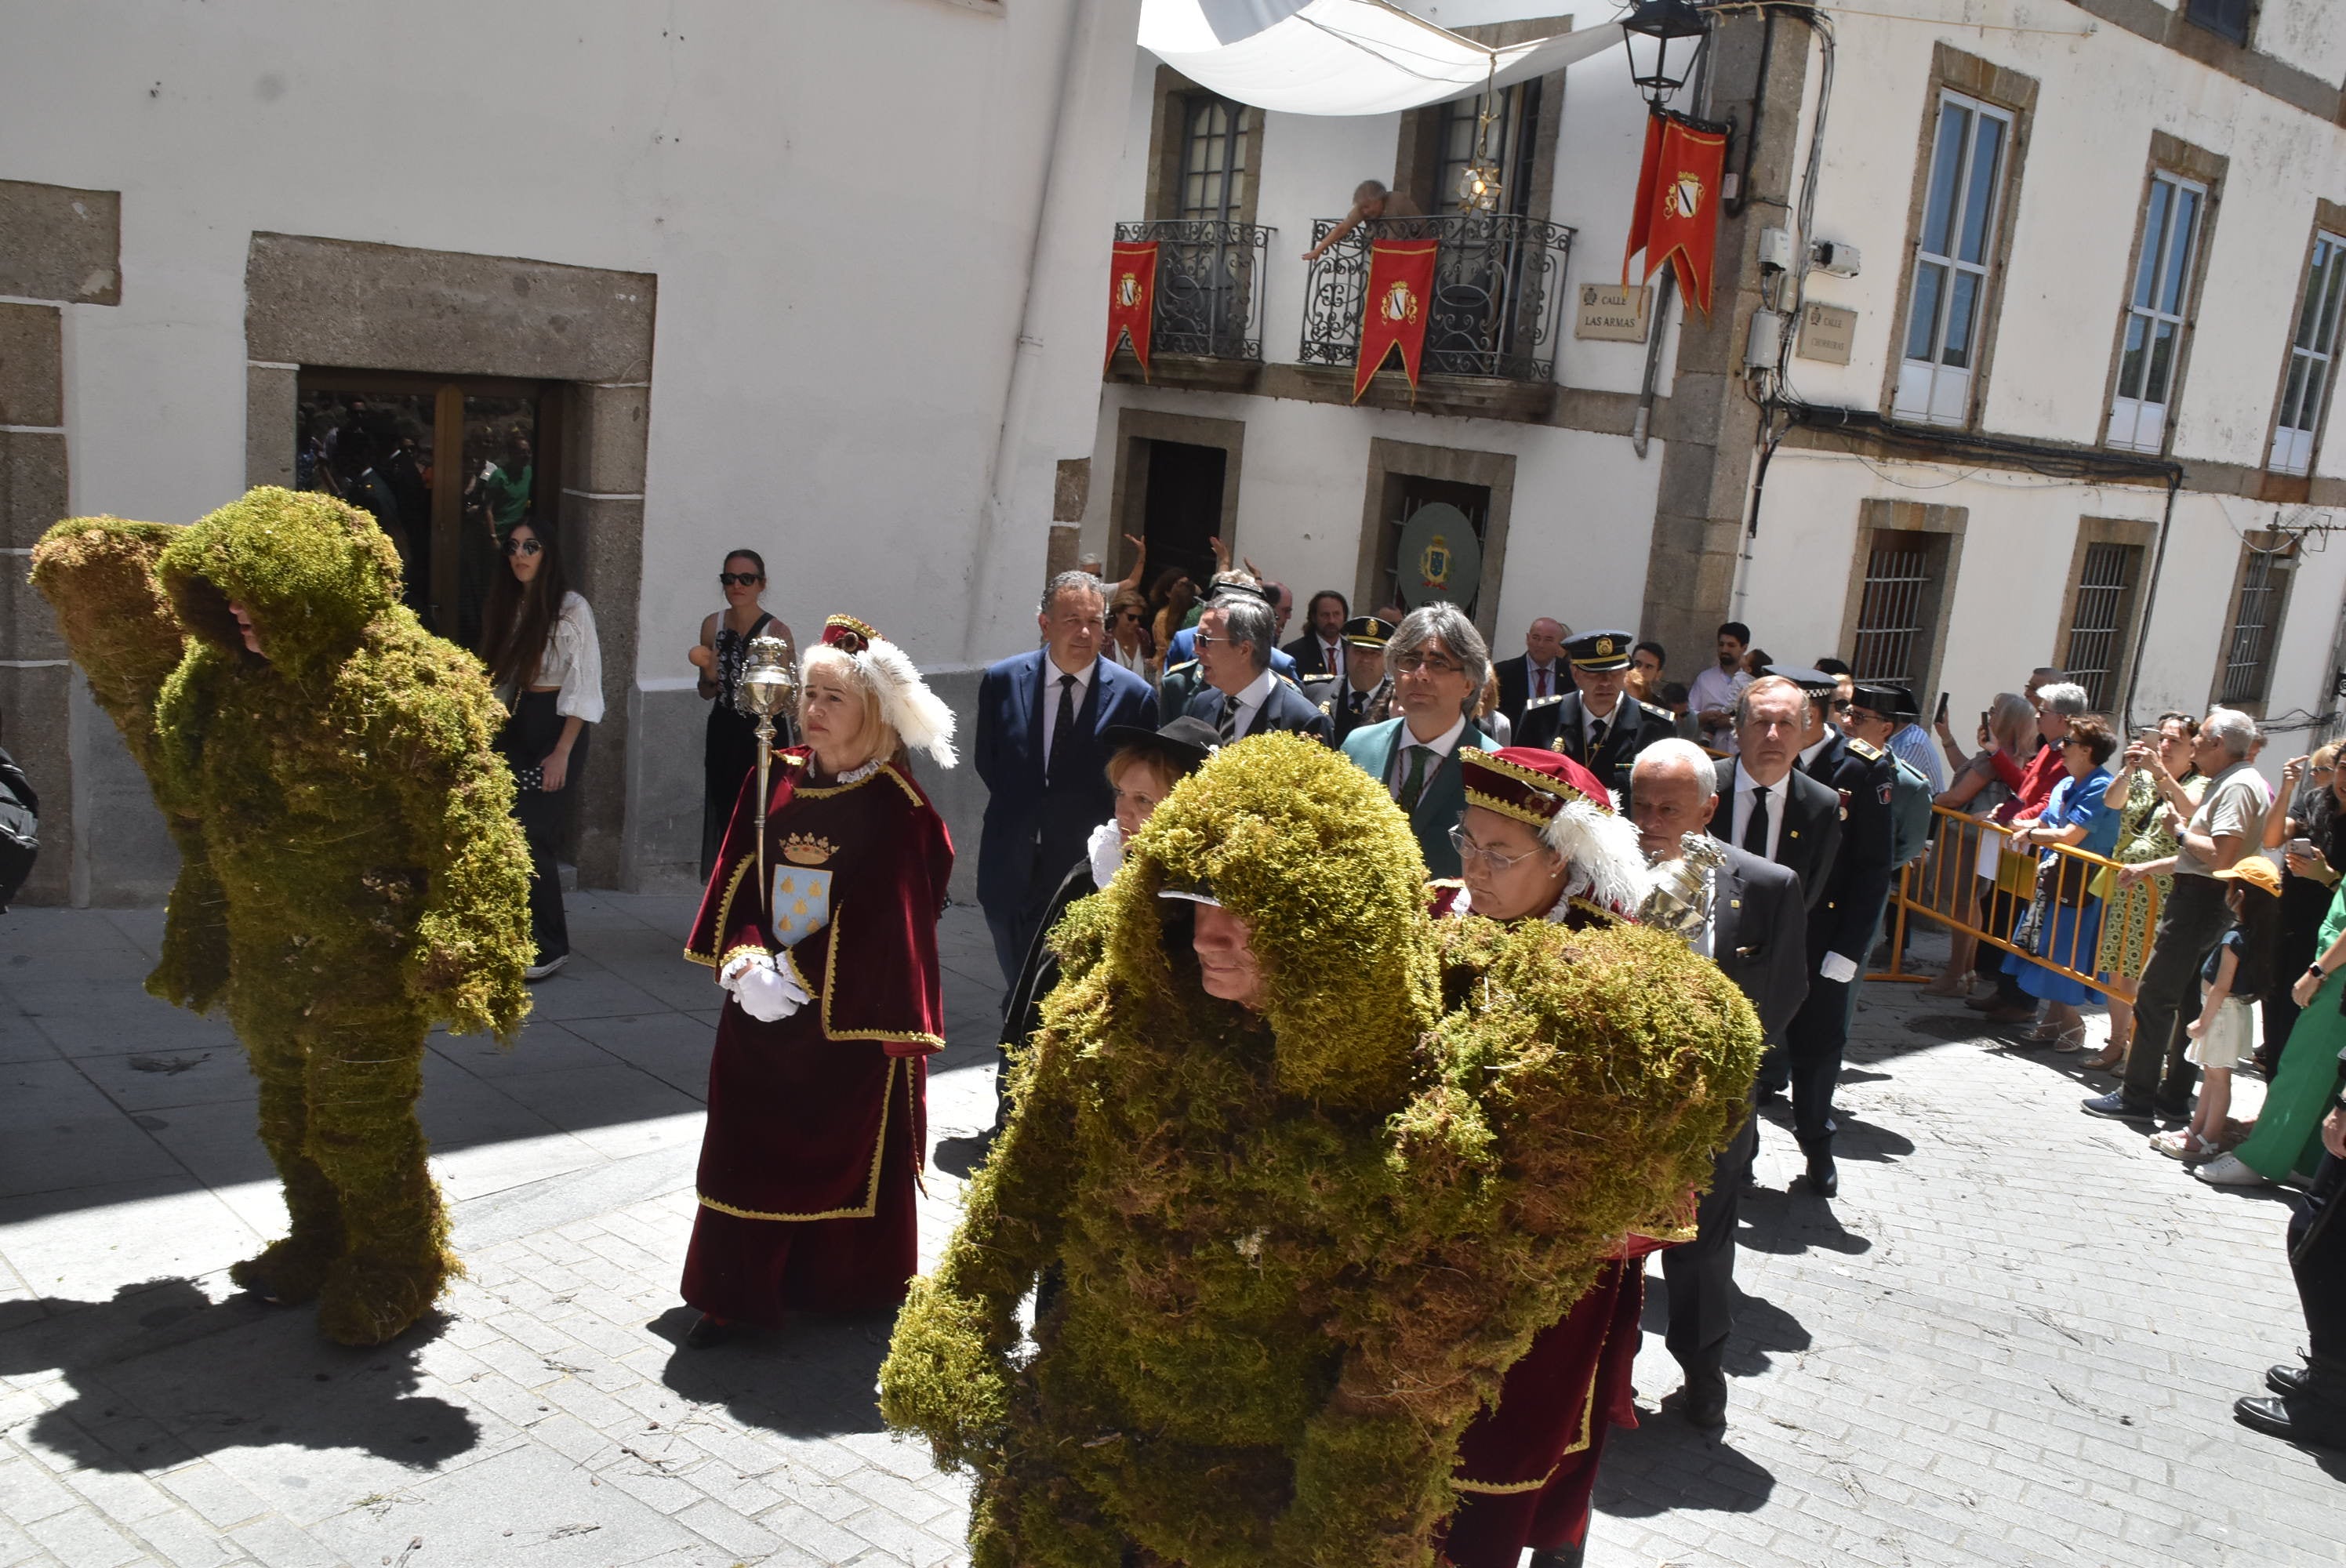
<point x="1679" y="900"/>
<point x="769" y="685"/>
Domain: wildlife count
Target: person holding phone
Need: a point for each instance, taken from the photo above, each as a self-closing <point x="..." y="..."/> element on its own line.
<point x="2307" y="836"/>
<point x="2158" y="769"/>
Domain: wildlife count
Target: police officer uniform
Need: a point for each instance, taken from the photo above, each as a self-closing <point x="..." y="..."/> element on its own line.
<point x="1607" y="747"/>
<point x="1841" y="929"/>
<point x="1347" y="708"/>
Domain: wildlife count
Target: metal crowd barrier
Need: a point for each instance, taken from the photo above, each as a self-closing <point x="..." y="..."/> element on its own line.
<point x="1944" y="886"/>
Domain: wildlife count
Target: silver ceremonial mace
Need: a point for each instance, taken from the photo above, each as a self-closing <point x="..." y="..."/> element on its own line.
<point x="769" y="685"/>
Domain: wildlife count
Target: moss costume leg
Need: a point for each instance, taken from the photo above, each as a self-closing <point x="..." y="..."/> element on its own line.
<point x="365" y="1069"/>
<point x="290" y="1270"/>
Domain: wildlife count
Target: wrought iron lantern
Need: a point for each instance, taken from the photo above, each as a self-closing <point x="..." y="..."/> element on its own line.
<point x="1666" y="37"/>
<point x="1478" y="182"/>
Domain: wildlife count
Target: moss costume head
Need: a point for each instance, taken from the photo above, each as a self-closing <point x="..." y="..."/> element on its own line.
<point x="1300" y="1245"/>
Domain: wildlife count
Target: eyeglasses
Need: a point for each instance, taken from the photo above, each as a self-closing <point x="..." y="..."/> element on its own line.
<point x="1468" y="850"/>
<point x="739" y="580"/>
<point x="523" y="547"/>
<point x="1411" y="662"/>
<point x="1208" y="639"/>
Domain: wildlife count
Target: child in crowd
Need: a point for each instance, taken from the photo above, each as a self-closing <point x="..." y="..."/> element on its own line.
<point x="2224" y="1035"/>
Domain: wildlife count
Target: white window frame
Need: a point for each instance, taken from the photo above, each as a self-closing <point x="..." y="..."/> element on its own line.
<point x="1929" y="389"/>
<point x="2139" y="423"/>
<point x="2313" y="356"/>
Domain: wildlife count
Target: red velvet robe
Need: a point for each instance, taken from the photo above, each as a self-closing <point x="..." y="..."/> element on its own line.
<point x="1527" y="1465"/>
<point x="817" y="1124"/>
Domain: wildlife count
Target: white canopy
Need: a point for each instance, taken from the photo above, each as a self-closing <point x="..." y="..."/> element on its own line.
<point x="1341" y="57"/>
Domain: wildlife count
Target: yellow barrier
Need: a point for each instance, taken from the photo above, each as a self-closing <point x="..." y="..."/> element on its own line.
<point x="1950" y="894"/>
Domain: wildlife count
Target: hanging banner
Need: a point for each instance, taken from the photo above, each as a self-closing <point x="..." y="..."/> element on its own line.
<point x="1131" y="299"/>
<point x="1400" y="293"/>
<point x="1677" y="218"/>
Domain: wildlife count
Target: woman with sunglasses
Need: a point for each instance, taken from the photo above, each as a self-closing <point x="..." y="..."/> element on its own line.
<point x="537" y="637"/>
<point x="731" y="752"/>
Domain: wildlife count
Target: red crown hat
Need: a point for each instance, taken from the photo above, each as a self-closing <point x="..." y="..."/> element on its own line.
<point x="848" y="635"/>
<point x="1529" y="783"/>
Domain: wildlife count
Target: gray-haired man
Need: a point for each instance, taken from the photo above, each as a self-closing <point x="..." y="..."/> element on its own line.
<point x="1439" y="664"/>
<point x="1244" y="695"/>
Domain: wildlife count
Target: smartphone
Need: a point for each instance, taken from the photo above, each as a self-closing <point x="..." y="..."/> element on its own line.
<point x="1982" y="718"/>
<point x="1941" y="718"/>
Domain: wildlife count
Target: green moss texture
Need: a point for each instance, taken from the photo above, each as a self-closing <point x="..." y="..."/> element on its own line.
<point x="1301" y="1248"/>
<point x="350" y="871"/>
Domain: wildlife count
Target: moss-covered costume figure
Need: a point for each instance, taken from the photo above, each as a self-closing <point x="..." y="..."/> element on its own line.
<point x="349" y="869"/>
<point x="1301" y="1246"/>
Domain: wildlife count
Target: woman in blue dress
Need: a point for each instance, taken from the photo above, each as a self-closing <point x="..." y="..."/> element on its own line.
<point x="2067" y="916"/>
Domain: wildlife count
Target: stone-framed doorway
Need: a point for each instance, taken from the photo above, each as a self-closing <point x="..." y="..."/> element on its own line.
<point x="352" y="305"/>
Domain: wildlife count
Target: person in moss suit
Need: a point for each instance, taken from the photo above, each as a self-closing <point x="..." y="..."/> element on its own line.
<point x="1314" y="1169"/>
<point x="349" y="869"/>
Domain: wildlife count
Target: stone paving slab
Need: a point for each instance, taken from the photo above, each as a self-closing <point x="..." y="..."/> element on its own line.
<point x="2014" y="1338"/>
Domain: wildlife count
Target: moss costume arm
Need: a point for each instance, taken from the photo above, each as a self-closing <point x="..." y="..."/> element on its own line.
<point x="948" y="1371"/>
<point x="1365" y="1496"/>
<point x="473" y="939"/>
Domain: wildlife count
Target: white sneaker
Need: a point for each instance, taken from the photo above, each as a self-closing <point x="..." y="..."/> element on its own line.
<point x="2228" y="1170"/>
<point x="540" y="971"/>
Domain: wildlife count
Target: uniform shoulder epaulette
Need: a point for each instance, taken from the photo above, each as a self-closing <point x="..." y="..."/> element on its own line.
<point x="1664" y="714"/>
<point x="1291" y="681"/>
<point x="1327" y="709"/>
<point x="1540" y="702"/>
<point x="1185" y="663"/>
<point x="1866" y="749"/>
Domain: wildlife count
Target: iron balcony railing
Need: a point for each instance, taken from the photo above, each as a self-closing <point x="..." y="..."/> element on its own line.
<point x="1499" y="293"/>
<point x="1209" y="285"/>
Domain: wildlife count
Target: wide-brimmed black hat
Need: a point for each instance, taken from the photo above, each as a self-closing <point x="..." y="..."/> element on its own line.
<point x="1187" y="741"/>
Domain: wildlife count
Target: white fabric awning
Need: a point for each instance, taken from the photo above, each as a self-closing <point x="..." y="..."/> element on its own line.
<point x="1341" y="57"/>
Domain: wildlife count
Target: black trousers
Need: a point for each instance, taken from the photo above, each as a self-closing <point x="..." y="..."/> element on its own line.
<point x="1700" y="1274"/>
<point x="2190" y="923"/>
<point x="527" y="736"/>
<point x="2321" y="1269"/>
<point x="1812" y="1048"/>
<point x="2303" y="904"/>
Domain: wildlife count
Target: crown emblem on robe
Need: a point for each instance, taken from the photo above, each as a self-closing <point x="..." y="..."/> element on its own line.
<point x="807" y="850"/>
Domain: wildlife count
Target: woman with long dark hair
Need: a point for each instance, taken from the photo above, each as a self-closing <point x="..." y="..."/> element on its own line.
<point x="537" y="637"/>
<point x="722" y="654"/>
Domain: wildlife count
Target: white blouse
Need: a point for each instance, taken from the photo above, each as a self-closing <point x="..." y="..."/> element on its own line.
<point x="573" y="660"/>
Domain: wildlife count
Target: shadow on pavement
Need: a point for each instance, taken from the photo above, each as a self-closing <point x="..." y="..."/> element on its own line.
<point x="1666" y="1465"/>
<point x="1762" y="1330"/>
<point x="1786" y="1224"/>
<point x="962" y="1156"/>
<point x="816" y="1377"/>
<point x="162" y="1374"/>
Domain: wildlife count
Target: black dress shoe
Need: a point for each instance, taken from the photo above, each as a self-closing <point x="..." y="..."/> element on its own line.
<point x="1560" y="1557"/>
<point x="2298" y="1417"/>
<point x="2285" y="1381"/>
<point x="708" y="1334"/>
<point x="1824" y="1179"/>
<point x="1705" y="1400"/>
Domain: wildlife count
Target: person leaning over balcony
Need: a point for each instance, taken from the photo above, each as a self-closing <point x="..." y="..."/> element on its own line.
<point x="2157" y="763"/>
<point x="2065" y="922"/>
<point x="2230" y="821"/>
<point x="1371" y="202"/>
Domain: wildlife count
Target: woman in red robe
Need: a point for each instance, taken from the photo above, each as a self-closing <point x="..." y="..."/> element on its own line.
<point x="817" y="1091"/>
<point x="1540" y="840"/>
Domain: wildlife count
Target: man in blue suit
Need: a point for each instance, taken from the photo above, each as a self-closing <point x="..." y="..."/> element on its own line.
<point x="1243" y="695"/>
<point x="1438" y="662"/>
<point x="1041" y="717"/>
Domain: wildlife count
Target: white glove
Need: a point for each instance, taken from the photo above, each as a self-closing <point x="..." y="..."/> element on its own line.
<point x="765" y="991"/>
<point x="1834" y="967"/>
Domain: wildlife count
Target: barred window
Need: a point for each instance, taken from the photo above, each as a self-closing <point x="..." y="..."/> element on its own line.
<point x="2099" y="620"/>
<point x="1894" y="613"/>
<point x="2256" y="617"/>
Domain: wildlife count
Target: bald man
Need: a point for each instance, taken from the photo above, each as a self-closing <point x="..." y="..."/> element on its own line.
<point x="1540" y="673"/>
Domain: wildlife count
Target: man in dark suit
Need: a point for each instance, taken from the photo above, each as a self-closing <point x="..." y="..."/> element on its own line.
<point x="1040" y="717"/>
<point x="1538" y="674"/>
<point x="1597" y="725"/>
<point x="1757" y="934"/>
<point x="1841" y="927"/>
<point x="1321" y="650"/>
<point x="1768" y="807"/>
<point x="1243" y="695"/>
<point x="1364" y="667"/>
<point x="1439" y="664"/>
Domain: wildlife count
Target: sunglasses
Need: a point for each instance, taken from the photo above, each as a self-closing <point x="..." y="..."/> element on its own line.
<point x="739" y="580"/>
<point x="523" y="547"/>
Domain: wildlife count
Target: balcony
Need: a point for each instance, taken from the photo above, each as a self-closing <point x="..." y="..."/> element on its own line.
<point x="1498" y="305"/>
<point x="1207" y="326"/>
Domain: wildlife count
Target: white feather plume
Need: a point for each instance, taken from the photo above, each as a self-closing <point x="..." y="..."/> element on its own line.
<point x="919" y="716"/>
<point x="1608" y="866"/>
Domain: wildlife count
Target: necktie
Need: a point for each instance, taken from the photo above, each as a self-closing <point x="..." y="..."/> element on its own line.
<point x="1414" y="785"/>
<point x="1335" y="657"/>
<point x="1543" y="680"/>
<point x="1063" y="729"/>
<point x="1596" y="736"/>
<point x="1754" y="831"/>
<point x="1229" y="724"/>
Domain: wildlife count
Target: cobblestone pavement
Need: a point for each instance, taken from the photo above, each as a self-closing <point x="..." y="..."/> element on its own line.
<point x="2013" y="1340"/>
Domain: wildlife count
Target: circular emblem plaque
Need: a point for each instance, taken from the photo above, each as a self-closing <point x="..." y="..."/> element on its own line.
<point x="1439" y="558"/>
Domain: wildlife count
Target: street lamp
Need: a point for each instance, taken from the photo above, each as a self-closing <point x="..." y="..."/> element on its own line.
<point x="1666" y="37"/>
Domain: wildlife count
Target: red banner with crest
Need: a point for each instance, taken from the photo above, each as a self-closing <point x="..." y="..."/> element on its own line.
<point x="1131" y="299"/>
<point x="1393" y="318"/>
<point x="1677" y="217"/>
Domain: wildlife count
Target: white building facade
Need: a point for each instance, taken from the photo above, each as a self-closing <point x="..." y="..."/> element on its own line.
<point x="830" y="280"/>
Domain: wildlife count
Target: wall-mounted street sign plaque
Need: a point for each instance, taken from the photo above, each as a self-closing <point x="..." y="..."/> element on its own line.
<point x="1612" y="312"/>
<point x="1826" y="332"/>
